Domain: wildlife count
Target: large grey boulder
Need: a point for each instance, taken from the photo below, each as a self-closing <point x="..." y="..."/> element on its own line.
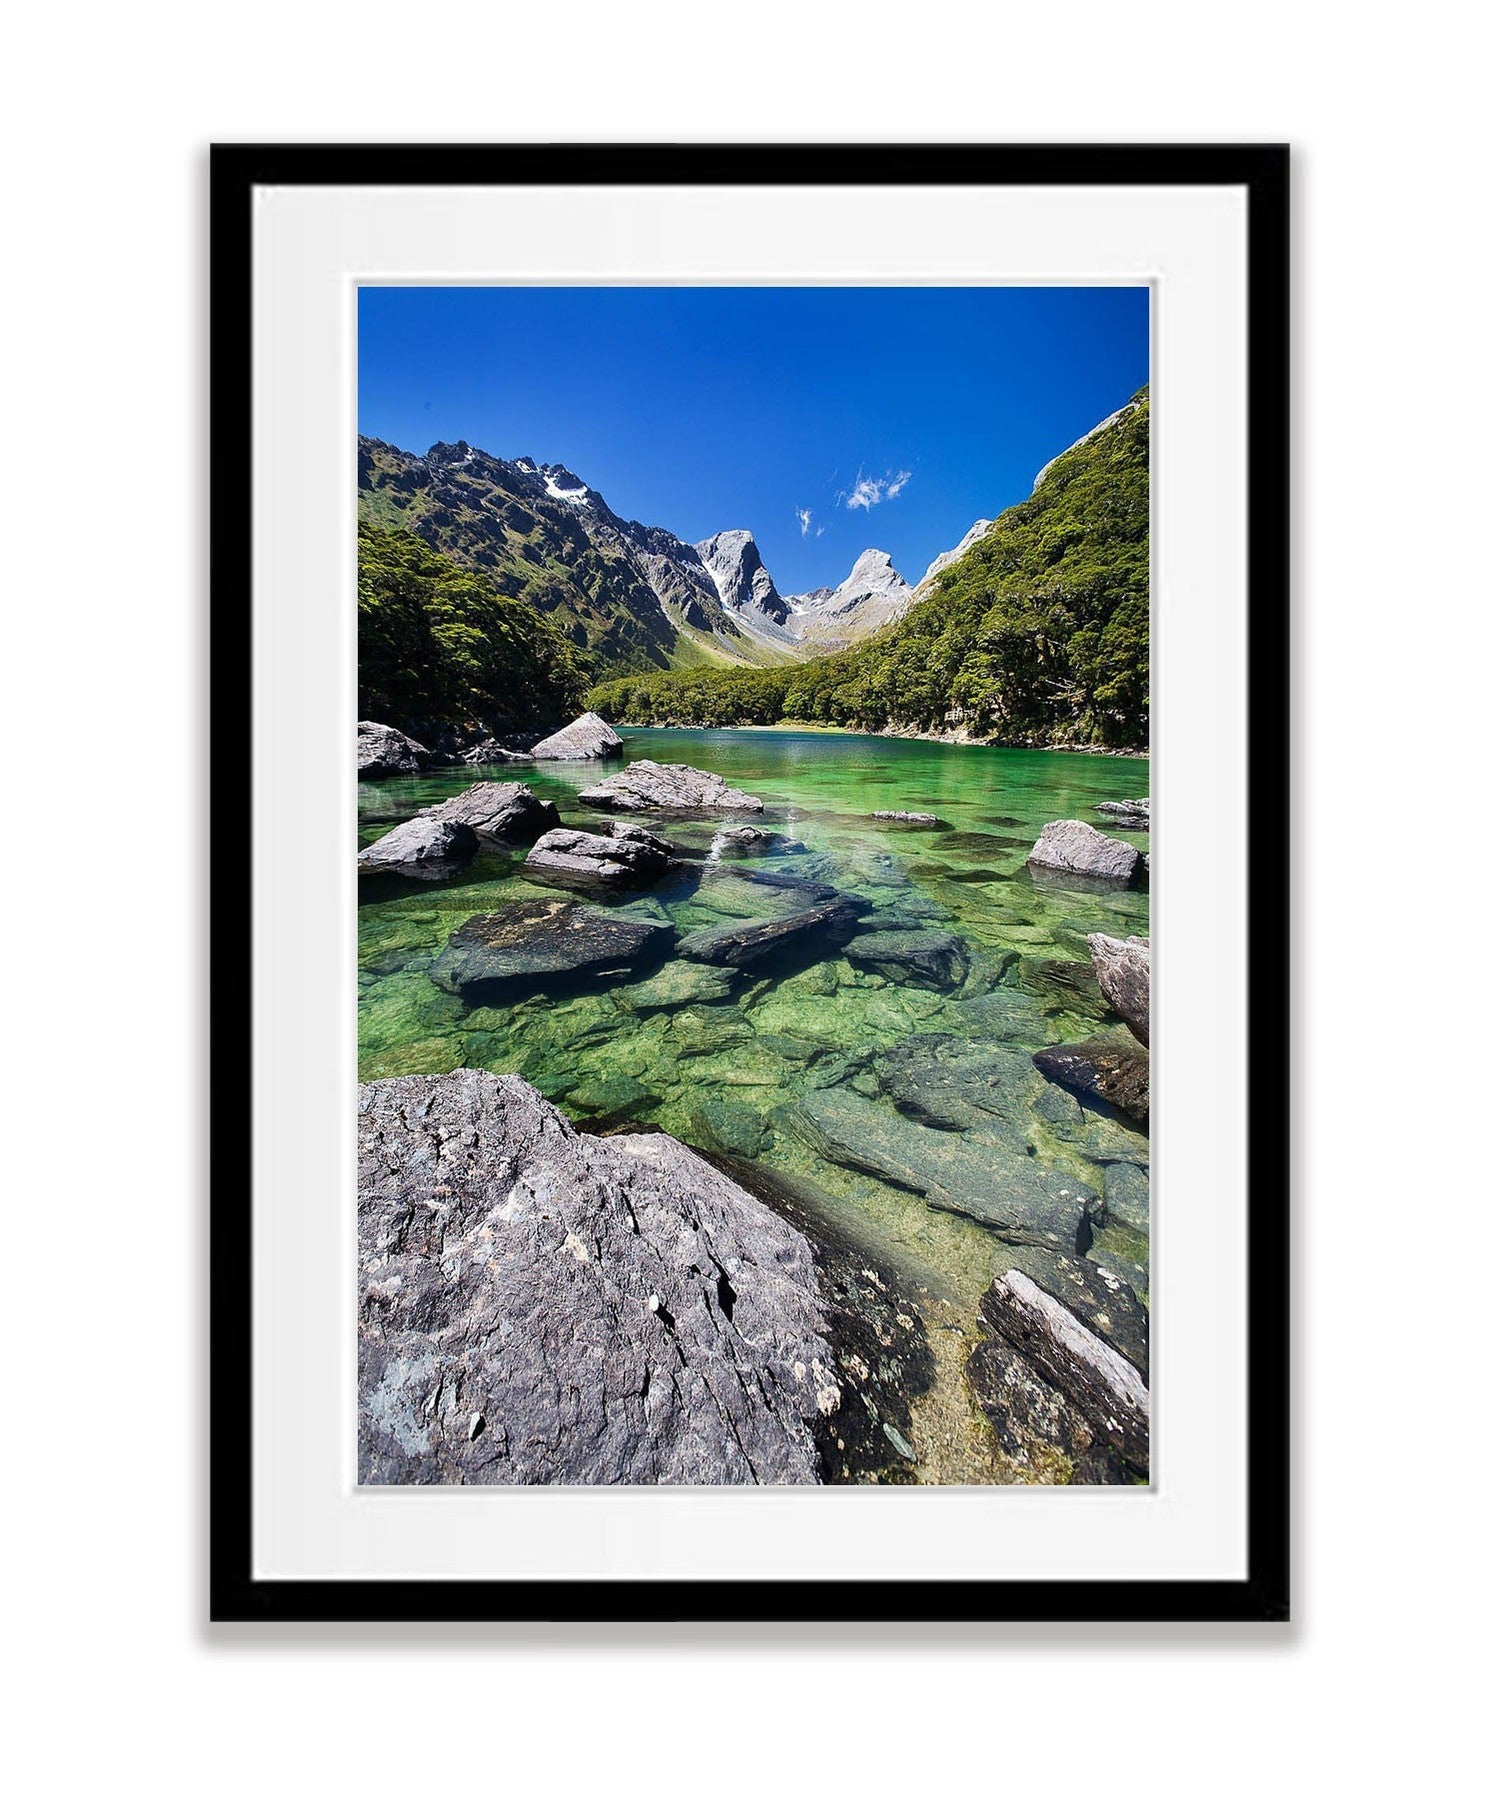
<point x="539" y="945"/>
<point x="667" y="786"/>
<point x="506" y="811"/>
<point x="581" y="859"/>
<point x="1069" y="846"/>
<point x="425" y="848"/>
<point x="818" y="930"/>
<point x="1123" y="969"/>
<point x="585" y="739"/>
<point x="538" y="1306"/>
<point x="383" y="750"/>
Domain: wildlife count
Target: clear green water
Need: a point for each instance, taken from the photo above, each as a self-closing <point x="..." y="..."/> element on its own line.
<point x="606" y="1057"/>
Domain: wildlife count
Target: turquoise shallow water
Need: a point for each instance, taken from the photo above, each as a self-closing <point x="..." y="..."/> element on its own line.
<point x="730" y="1074"/>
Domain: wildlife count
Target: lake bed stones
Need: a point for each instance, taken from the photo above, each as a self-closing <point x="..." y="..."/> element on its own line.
<point x="937" y="960"/>
<point x="1009" y="1194"/>
<point x="810" y="933"/>
<point x="540" y="945"/>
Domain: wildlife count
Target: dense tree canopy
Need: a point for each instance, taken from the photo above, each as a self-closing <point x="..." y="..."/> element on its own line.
<point x="1039" y="634"/>
<point x="438" y="642"/>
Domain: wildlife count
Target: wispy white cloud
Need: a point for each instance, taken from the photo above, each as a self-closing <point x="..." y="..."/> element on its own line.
<point x="870" y="490"/>
<point x="804" y="516"/>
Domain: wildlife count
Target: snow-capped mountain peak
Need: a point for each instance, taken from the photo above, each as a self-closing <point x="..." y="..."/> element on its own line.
<point x="873" y="593"/>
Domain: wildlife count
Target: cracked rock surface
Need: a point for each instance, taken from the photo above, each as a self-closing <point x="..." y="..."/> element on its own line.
<point x="536" y="1305"/>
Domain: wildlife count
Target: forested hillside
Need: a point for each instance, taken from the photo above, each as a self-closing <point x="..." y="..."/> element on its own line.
<point x="439" y="642"/>
<point x="1039" y="634"/>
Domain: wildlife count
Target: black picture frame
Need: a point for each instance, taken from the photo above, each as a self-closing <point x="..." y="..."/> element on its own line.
<point x="1262" y="171"/>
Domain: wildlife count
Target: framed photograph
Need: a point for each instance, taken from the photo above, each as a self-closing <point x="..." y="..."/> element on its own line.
<point x="750" y="1024"/>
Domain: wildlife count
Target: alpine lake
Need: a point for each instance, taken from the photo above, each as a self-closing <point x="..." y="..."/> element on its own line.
<point x="805" y="1079"/>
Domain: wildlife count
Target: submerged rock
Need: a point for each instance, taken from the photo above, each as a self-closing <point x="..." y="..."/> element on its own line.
<point x="680" y="984"/>
<point x="1123" y="969"/>
<point x="728" y="1128"/>
<point x="584" y="740"/>
<point x="506" y="811"/>
<point x="1035" y="1425"/>
<point x="579" y="858"/>
<point x="540" y="944"/>
<point x="929" y="820"/>
<point x="1134" y="815"/>
<point x="610" y="1099"/>
<point x="1064" y="985"/>
<point x="937" y="960"/>
<point x="1009" y="1195"/>
<point x="667" y="786"/>
<point x="958" y="1085"/>
<point x="974" y="846"/>
<point x="1126" y="1194"/>
<point x="428" y="849"/>
<point x="1111" y="1068"/>
<point x="754" y="941"/>
<point x="708" y="1034"/>
<point x="383" y="750"/>
<point x="1092" y="1376"/>
<point x="740" y="841"/>
<point x="1069" y="846"/>
<point x="542" y="1306"/>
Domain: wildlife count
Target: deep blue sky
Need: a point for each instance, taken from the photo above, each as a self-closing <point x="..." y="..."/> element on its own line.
<point x="706" y="409"/>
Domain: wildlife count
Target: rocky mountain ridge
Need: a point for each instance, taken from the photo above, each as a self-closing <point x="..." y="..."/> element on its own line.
<point x="630" y="595"/>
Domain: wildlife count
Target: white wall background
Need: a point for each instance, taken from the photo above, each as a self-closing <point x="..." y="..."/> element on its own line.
<point x="1376" y="1688"/>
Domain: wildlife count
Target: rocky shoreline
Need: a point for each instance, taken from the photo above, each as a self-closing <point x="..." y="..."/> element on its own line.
<point x="384" y="750"/>
<point x="543" y="1301"/>
<point x="958" y="737"/>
